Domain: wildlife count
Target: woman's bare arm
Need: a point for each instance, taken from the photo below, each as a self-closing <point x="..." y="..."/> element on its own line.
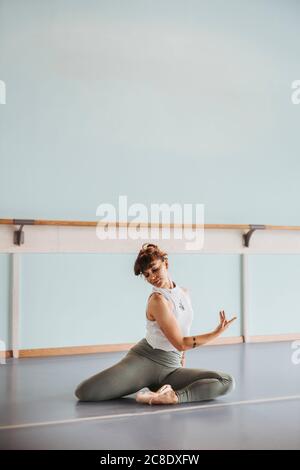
<point x="159" y="309"/>
<point x="190" y="342"/>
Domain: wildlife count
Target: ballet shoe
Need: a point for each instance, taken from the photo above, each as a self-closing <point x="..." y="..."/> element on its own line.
<point x="168" y="397"/>
<point x="146" y="396"/>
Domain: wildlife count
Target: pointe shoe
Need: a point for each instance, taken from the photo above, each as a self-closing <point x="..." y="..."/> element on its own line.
<point x="168" y="397"/>
<point x="145" y="397"/>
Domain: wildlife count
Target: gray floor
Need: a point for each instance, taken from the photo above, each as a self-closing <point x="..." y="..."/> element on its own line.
<point x="263" y="412"/>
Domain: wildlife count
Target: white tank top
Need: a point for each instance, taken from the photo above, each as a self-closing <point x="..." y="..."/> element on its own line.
<point x="182" y="310"/>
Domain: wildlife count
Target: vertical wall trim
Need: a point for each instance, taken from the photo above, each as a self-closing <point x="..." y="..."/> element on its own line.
<point x="245" y="296"/>
<point x="15" y="302"/>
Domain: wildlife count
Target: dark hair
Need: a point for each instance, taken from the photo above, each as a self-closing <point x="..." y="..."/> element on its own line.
<point x="147" y="254"/>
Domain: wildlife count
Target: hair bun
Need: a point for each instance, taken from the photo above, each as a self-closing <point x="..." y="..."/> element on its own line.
<point x="148" y="253"/>
<point x="145" y="246"/>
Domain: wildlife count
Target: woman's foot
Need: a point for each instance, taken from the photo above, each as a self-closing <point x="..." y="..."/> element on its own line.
<point x="146" y="397"/>
<point x="169" y="397"/>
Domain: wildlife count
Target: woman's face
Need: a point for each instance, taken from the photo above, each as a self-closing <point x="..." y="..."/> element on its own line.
<point x="157" y="273"/>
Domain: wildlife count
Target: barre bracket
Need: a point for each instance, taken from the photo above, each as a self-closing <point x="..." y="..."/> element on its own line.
<point x="19" y="234"/>
<point x="248" y="235"/>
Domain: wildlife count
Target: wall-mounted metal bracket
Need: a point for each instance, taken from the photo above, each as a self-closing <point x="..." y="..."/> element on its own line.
<point x="248" y="235"/>
<point x="19" y="234"/>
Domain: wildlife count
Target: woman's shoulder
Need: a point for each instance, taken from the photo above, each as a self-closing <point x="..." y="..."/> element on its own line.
<point x="154" y="296"/>
<point x="151" y="302"/>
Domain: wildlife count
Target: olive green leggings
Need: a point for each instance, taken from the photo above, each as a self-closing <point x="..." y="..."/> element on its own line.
<point x="135" y="372"/>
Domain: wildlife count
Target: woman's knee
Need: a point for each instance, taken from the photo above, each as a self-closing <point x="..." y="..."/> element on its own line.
<point x="78" y="392"/>
<point x="82" y="392"/>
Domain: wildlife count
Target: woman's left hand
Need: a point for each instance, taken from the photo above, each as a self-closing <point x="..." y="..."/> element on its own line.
<point x="224" y="323"/>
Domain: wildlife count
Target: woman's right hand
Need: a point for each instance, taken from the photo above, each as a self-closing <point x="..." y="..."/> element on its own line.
<point x="224" y="323"/>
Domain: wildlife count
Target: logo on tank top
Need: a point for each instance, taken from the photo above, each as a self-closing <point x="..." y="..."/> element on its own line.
<point x="181" y="305"/>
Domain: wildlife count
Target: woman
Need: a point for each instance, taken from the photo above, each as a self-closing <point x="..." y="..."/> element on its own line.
<point x="158" y="359"/>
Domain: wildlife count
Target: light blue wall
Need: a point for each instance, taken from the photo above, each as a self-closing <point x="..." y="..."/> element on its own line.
<point x="198" y="89"/>
<point x="274" y="294"/>
<point x="163" y="101"/>
<point x="79" y="299"/>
